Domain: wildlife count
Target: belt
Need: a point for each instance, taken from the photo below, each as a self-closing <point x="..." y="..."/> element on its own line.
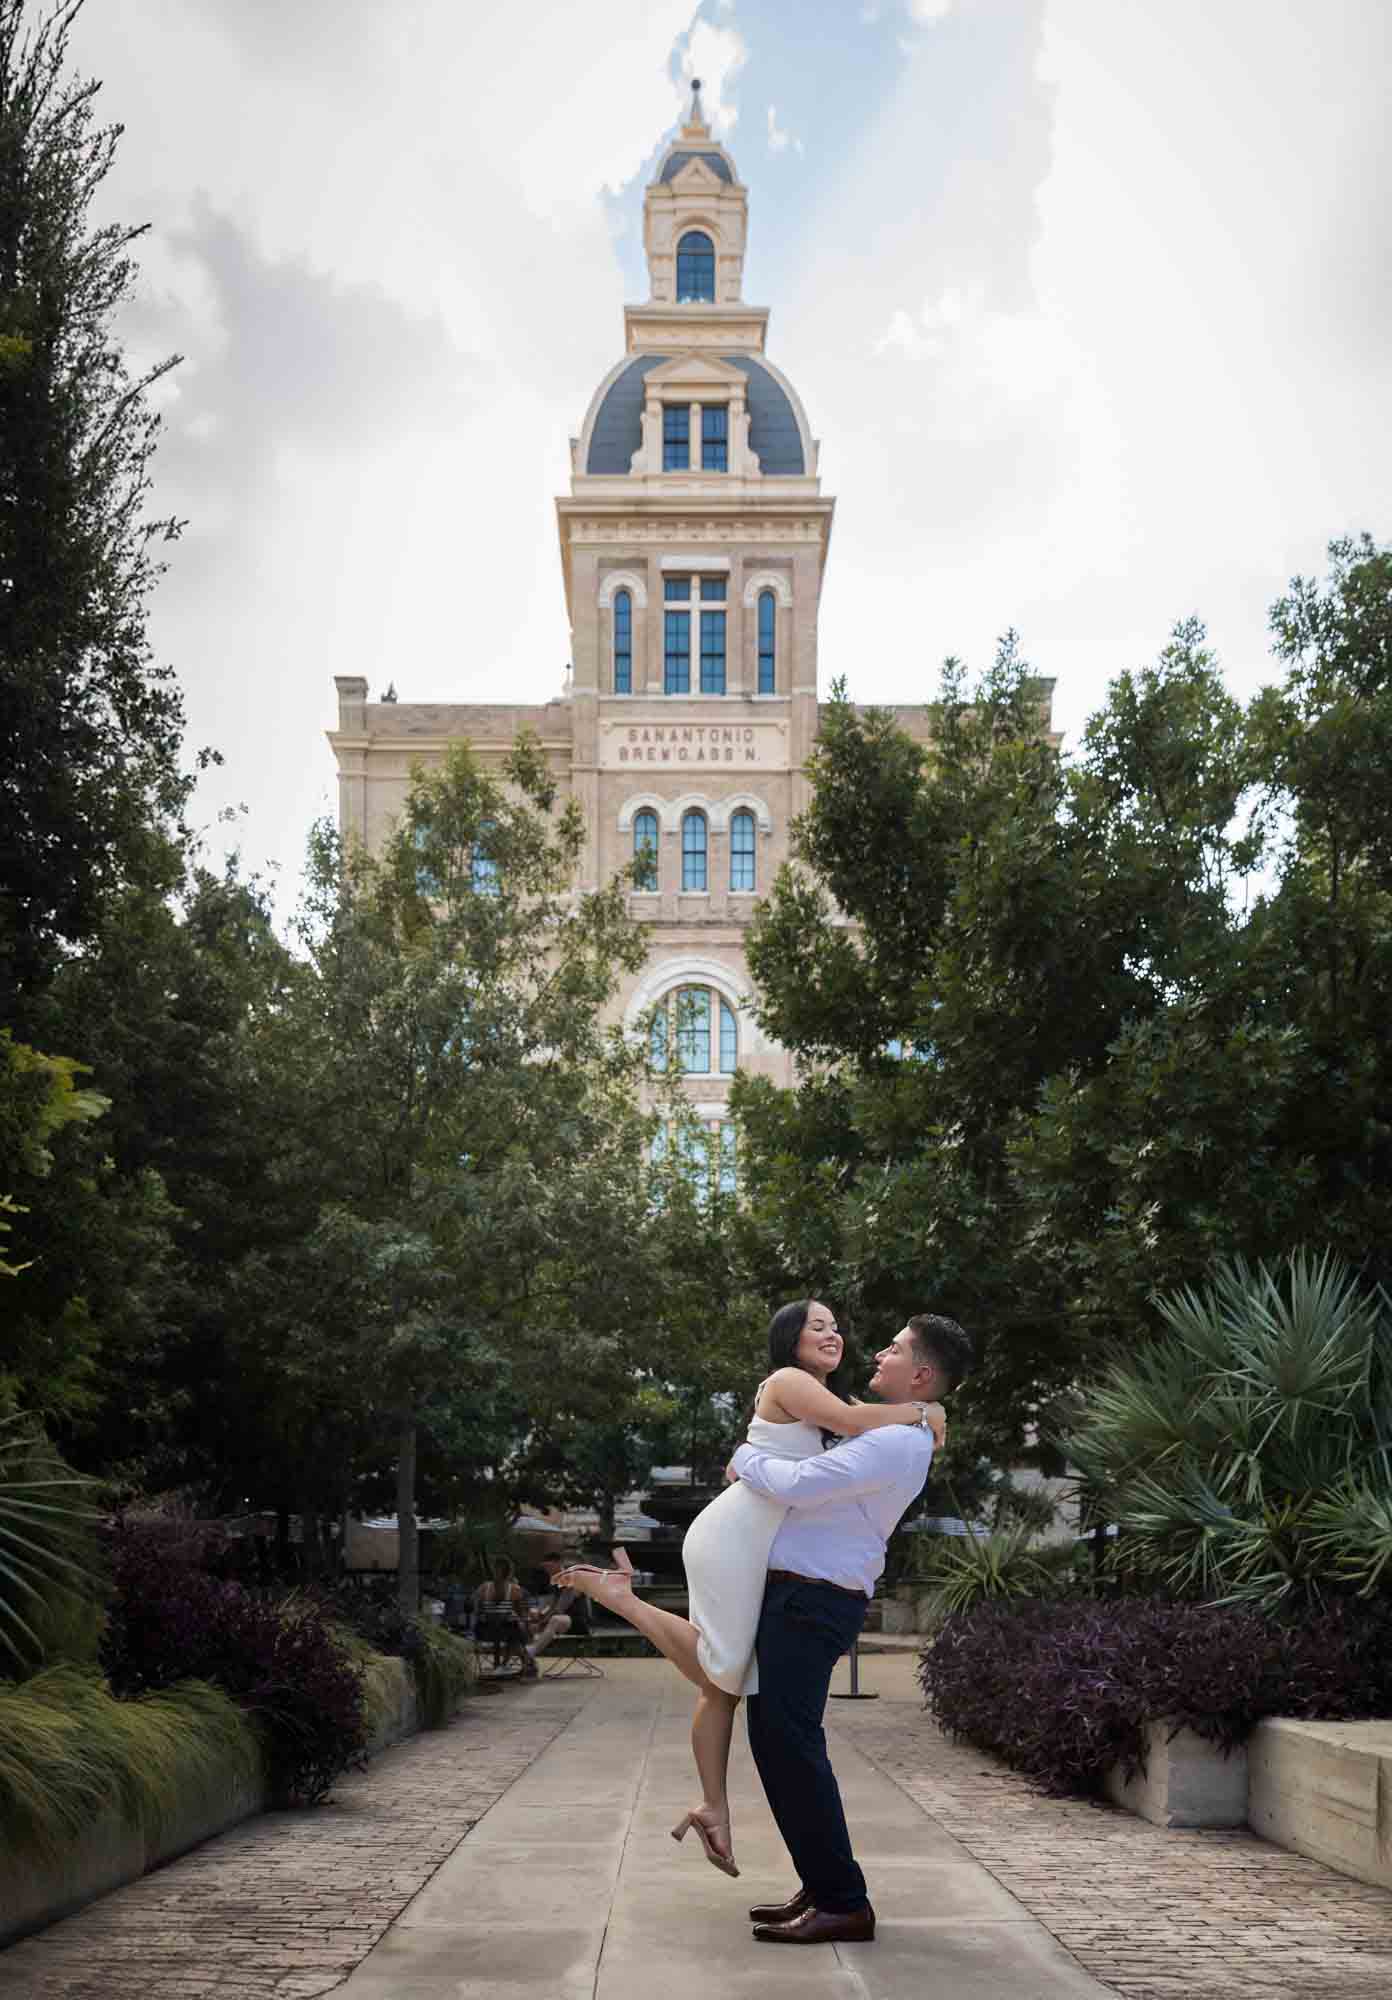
<point x="795" y="1576"/>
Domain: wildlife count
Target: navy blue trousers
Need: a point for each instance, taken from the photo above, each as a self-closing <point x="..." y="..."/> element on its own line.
<point x="804" y="1628"/>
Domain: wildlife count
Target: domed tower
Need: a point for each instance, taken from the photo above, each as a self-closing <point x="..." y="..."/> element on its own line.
<point x="693" y="541"/>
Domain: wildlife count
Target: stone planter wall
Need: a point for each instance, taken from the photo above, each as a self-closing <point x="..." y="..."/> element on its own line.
<point x="111" y="1852"/>
<point x="1186" y="1782"/>
<point x="1325" y="1789"/>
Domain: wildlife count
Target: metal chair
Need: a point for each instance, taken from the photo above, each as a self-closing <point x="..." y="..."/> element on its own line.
<point x="499" y="1627"/>
<point x="581" y="1661"/>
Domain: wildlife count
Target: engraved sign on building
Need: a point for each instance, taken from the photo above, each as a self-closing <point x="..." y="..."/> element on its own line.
<point x="742" y="746"/>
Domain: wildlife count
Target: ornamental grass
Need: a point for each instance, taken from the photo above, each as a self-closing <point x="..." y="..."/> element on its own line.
<point x="70" y="1751"/>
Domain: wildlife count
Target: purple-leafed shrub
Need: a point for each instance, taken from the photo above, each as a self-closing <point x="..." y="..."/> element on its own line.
<point x="1060" y="1691"/>
<point x="170" y="1621"/>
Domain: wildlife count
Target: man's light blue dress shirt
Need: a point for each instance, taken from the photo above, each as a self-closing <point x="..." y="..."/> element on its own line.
<point x="844" y="1506"/>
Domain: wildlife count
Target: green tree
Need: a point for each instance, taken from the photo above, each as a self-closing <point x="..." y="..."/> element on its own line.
<point x="1093" y="1023"/>
<point x="457" y="1108"/>
<point x="91" y="788"/>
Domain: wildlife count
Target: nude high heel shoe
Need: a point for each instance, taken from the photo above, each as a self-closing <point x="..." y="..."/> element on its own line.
<point x="724" y="1862"/>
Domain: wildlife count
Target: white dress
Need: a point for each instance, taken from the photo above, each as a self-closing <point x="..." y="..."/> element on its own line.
<point x="726" y="1553"/>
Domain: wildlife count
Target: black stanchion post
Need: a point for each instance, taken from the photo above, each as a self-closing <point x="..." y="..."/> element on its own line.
<point x="855" y="1692"/>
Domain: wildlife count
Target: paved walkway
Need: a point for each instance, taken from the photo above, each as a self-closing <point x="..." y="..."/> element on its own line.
<point x="568" y="1888"/>
<point x="571" y="1889"/>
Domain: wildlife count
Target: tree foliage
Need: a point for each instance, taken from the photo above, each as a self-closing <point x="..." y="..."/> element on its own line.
<point x="1070" y="1029"/>
<point x="91" y="786"/>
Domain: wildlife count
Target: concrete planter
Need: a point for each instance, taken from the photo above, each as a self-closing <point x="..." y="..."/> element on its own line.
<point x="111" y="1852"/>
<point x="1325" y="1789"/>
<point x="899" y="1614"/>
<point x="1186" y="1782"/>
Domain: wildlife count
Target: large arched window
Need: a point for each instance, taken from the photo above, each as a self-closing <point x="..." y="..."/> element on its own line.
<point x="768" y="629"/>
<point x="694" y="847"/>
<point x="700" y="1025"/>
<point x="645" y="846"/>
<point x="742" y="849"/>
<point x="695" y="268"/>
<point x="623" y="642"/>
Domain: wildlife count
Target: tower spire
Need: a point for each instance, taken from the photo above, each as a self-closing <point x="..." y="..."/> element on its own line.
<point x="697" y="125"/>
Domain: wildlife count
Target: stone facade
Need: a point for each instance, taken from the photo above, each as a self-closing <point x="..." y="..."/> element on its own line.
<point x="693" y="543"/>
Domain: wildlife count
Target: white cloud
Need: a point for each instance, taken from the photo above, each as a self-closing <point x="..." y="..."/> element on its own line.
<point x="716" y="55"/>
<point x="777" y="137"/>
<point x="870" y="11"/>
<point x="924" y="11"/>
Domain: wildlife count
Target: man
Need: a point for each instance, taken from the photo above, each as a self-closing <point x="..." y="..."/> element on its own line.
<point x="563" y="1610"/>
<point x="825" y="1559"/>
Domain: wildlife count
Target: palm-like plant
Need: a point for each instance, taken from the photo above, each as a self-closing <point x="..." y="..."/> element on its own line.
<point x="1247" y="1455"/>
<point x="964" y="1570"/>
<point x="43" y="1521"/>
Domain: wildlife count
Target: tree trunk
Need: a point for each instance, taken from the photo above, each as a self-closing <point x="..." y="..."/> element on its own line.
<point x="408" y="1541"/>
<point x="605" y="1510"/>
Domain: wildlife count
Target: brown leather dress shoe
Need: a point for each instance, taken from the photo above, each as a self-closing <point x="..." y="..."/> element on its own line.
<point x="781" y="1913"/>
<point x="821" y="1927"/>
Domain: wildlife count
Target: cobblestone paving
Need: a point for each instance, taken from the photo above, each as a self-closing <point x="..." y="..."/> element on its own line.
<point x="1215" y="1916"/>
<point x="288" y="1903"/>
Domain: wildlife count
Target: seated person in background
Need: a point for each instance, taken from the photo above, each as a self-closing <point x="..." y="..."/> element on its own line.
<point x="563" y="1611"/>
<point x="500" y="1611"/>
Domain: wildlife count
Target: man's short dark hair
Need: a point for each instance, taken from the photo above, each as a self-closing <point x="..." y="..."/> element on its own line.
<point x="946" y="1345"/>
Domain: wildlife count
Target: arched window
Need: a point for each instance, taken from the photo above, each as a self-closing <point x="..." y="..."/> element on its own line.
<point x="768" y="627"/>
<point x="742" y="849"/>
<point x="623" y="642"/>
<point x="700" y="1024"/>
<point x="729" y="1039"/>
<point x="694" y="844"/>
<point x="645" y="846"/>
<point x="484" y="870"/>
<point x="695" y="268"/>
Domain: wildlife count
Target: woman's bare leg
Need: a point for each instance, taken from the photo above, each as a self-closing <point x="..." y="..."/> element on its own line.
<point x="713" y="1724"/>
<point x="712" y="1727"/>
<point x="675" y="1638"/>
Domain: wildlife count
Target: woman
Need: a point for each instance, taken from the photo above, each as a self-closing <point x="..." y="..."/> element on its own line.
<point x="727" y="1548"/>
<point x="506" y="1601"/>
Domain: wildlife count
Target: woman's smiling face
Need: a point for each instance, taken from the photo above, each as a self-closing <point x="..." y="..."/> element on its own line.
<point x="819" y="1344"/>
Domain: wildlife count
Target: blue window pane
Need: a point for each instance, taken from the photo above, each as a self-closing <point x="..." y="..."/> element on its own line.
<point x="623" y="643"/>
<point x="715" y="438"/>
<point x="427" y="881"/>
<point x="694" y="1028"/>
<point x="676" y="663"/>
<point x="676" y="589"/>
<point x="729" y="1039"/>
<point x="694" y="1152"/>
<point x="676" y="437"/>
<point x="742" y="850"/>
<point x="729" y="1173"/>
<point x="694" y="850"/>
<point x="712" y="652"/>
<point x="484" y="873"/>
<point x="713" y="589"/>
<point x="695" y="268"/>
<point x="657" y="1049"/>
<point x="768" y="625"/>
<point x="645" y="846"/>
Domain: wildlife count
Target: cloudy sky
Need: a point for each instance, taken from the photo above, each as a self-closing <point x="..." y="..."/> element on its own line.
<point x="1088" y="301"/>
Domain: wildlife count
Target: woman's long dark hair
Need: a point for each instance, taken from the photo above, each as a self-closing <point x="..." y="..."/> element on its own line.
<point x="783" y="1332"/>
